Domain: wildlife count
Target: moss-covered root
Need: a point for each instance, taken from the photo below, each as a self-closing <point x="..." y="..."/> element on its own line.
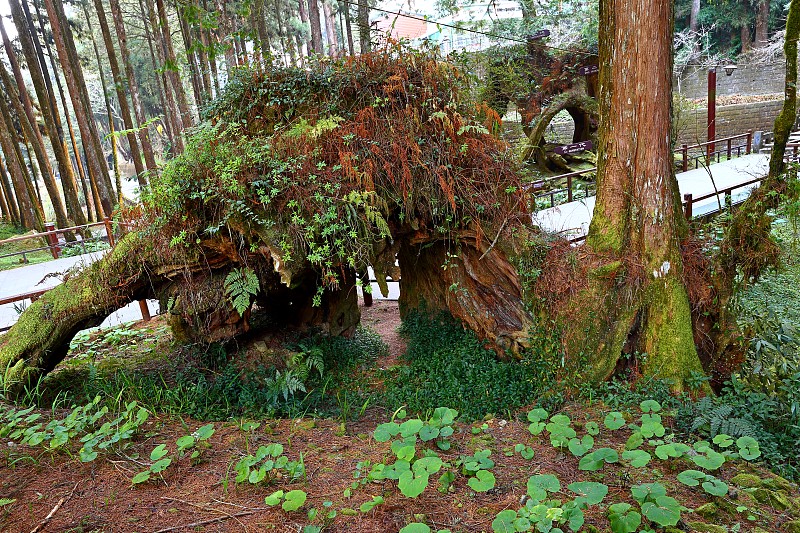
<point x="667" y="336"/>
<point x="40" y="338"/>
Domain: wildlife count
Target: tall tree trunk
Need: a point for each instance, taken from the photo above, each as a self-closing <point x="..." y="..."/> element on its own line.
<point x="71" y="130"/>
<point x="301" y="4"/>
<point x="639" y="305"/>
<point x="9" y="200"/>
<point x="693" y="15"/>
<point x="363" y="26"/>
<point x="330" y="30"/>
<point x="81" y="104"/>
<point x="27" y="120"/>
<point x="120" y="86"/>
<point x="206" y="54"/>
<point x="171" y="112"/>
<point x="133" y="87"/>
<point x="786" y="119"/>
<point x="345" y="7"/>
<point x="37" y="68"/>
<point x="260" y="25"/>
<point x="762" y="24"/>
<point x="110" y="117"/>
<point x="30" y="211"/>
<point x="161" y="79"/>
<point x="316" y="27"/>
<point x="745" y="37"/>
<point x="171" y="66"/>
<point x="191" y="55"/>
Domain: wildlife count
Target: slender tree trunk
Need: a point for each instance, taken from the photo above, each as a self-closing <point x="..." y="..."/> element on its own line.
<point x="191" y="56"/>
<point x="172" y="70"/>
<point x="345" y="7"/>
<point x="316" y="27"/>
<point x="693" y="15"/>
<point x="330" y="30"/>
<point x="120" y="86"/>
<point x="786" y="119"/>
<point x="30" y="212"/>
<point x="62" y="97"/>
<point x="133" y="88"/>
<point x="301" y="4"/>
<point x="762" y="24"/>
<point x="640" y="304"/>
<point x="260" y="25"/>
<point x="24" y="110"/>
<point x="9" y="202"/>
<point x="161" y="80"/>
<point x="37" y="68"/>
<point x="110" y="117"/>
<point x="171" y="111"/>
<point x="745" y="37"/>
<point x="363" y="26"/>
<point x="73" y="72"/>
<point x="205" y="57"/>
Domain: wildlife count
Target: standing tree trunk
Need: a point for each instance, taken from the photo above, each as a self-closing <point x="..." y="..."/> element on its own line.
<point x="161" y="80"/>
<point x="8" y="199"/>
<point x="301" y="5"/>
<point x="693" y="15"/>
<point x="345" y="7"/>
<point x="133" y="87"/>
<point x="120" y="85"/>
<point x="316" y="27"/>
<point x="30" y="211"/>
<point x="81" y="104"/>
<point x="171" y="111"/>
<point x="363" y="26"/>
<point x="37" y="68"/>
<point x="90" y="203"/>
<point x="330" y="30"/>
<point x="762" y="24"/>
<point x="23" y="108"/>
<point x="171" y="63"/>
<point x="745" y="37"/>
<point x="636" y="301"/>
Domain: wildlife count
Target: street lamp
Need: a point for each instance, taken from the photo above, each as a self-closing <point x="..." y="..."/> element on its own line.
<point x="712" y="104"/>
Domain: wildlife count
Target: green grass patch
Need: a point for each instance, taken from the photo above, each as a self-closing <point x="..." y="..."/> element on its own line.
<point x="448" y="365"/>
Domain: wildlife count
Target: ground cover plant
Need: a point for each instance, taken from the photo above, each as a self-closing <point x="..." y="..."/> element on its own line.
<point x="583" y="468"/>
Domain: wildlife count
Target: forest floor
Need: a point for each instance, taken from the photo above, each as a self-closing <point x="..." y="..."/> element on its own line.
<point x="47" y="487"/>
<point x="215" y="447"/>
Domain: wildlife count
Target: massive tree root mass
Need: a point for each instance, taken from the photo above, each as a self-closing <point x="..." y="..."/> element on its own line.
<point x="294" y="183"/>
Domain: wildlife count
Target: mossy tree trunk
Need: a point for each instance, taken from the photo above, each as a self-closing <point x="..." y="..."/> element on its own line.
<point x="190" y="283"/>
<point x="635" y="301"/>
<point x="472" y="280"/>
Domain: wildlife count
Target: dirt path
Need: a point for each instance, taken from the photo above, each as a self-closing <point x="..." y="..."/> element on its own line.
<point x="383" y="317"/>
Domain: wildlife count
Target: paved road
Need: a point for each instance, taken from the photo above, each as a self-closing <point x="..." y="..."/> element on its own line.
<point x="47" y="275"/>
<point x="572" y="219"/>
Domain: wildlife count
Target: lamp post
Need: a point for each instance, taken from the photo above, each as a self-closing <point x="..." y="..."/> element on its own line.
<point x="712" y="104"/>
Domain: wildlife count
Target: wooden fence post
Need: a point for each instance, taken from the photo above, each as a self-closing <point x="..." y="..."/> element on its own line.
<point x="145" y="310"/>
<point x="685" y="150"/>
<point x="749" y="141"/>
<point x="109" y="231"/>
<point x="52" y="239"/>
<point x="687" y="206"/>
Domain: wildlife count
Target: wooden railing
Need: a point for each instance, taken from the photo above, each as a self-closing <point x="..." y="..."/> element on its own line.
<point x="51" y="237"/>
<point x="541" y="184"/>
<point x="731" y="146"/>
<point x="707" y="150"/>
